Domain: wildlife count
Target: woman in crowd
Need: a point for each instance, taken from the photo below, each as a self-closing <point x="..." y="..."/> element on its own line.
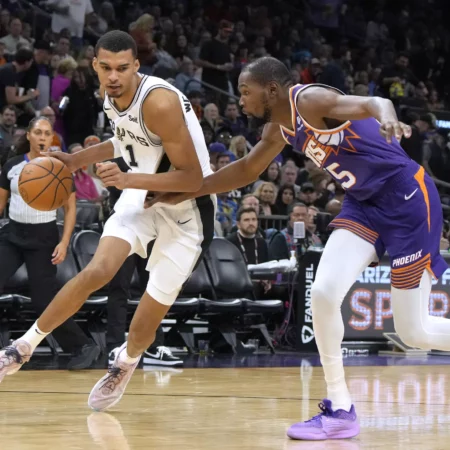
<point x="272" y="174"/>
<point x="285" y="197"/>
<point x="267" y="193"/>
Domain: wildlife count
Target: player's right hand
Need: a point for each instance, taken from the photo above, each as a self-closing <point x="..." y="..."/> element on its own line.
<point x="170" y="198"/>
<point x="65" y="158"/>
<point x="392" y="128"/>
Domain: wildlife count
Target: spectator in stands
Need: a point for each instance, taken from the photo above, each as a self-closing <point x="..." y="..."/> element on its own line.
<point x="307" y="194"/>
<point x="272" y="174"/>
<point x="62" y="48"/>
<point x="14" y="38"/>
<point x="211" y="118"/>
<point x="233" y="121"/>
<point x="54" y="63"/>
<point x="27" y="34"/>
<point x="333" y="207"/>
<point x="142" y="33"/>
<point x="39" y="75"/>
<point x="285" y="197"/>
<point x="84" y="184"/>
<point x="61" y="82"/>
<point x="70" y="15"/>
<point x="251" y="201"/>
<point x="305" y="172"/>
<point x="223" y="159"/>
<point x="252" y="247"/>
<point x="321" y="180"/>
<point x="2" y="54"/>
<point x="166" y="65"/>
<point x="267" y="194"/>
<point x="208" y="133"/>
<point x="312" y="72"/>
<point x="80" y="115"/>
<point x="183" y="79"/>
<point x="31" y="237"/>
<point x="226" y="209"/>
<point x="393" y="78"/>
<point x="335" y="72"/>
<point x="216" y="61"/>
<point x="436" y="157"/>
<point x="195" y="97"/>
<point x="283" y="243"/>
<point x="224" y="135"/>
<point x="311" y="226"/>
<point x="58" y="141"/>
<point x="5" y="18"/>
<point x="238" y="146"/>
<point x="377" y="31"/>
<point x="7" y="126"/>
<point x="420" y="127"/>
<point x="289" y="173"/>
<point x="84" y="60"/>
<point x="11" y="79"/>
<point x="434" y="104"/>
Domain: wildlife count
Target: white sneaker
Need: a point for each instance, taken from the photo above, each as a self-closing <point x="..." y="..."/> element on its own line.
<point x="162" y="357"/>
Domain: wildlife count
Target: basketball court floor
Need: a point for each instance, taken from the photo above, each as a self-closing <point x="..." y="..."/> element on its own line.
<point x="227" y="402"/>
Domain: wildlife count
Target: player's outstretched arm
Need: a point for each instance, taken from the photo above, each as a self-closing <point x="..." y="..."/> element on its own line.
<point x="100" y="152"/>
<point x="237" y="174"/>
<point x="317" y="103"/>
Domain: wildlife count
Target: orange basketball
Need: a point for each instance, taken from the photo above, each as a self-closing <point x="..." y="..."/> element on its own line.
<point x="45" y="183"/>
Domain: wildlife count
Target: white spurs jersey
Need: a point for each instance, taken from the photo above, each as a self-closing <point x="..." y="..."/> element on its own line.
<point x="140" y="148"/>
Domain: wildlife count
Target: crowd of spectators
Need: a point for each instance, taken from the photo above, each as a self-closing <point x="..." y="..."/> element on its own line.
<point x="399" y="50"/>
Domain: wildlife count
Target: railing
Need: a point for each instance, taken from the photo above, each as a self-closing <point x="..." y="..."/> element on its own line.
<point x="210" y="86"/>
<point x="275" y="221"/>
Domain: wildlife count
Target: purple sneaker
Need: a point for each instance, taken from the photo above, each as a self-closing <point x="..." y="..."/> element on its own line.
<point x="13" y="357"/>
<point x="109" y="390"/>
<point x="328" y="424"/>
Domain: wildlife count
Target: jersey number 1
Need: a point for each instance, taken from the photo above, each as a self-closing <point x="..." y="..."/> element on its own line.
<point x="133" y="162"/>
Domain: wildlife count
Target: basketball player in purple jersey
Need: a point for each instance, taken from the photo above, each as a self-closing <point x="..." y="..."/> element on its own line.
<point x="391" y="205"/>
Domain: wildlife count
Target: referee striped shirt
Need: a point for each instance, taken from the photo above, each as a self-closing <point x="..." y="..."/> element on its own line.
<point x="19" y="211"/>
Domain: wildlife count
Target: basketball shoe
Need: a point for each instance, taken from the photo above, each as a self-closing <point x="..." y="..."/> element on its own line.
<point x="109" y="390"/>
<point x="328" y="424"/>
<point x="161" y="356"/>
<point x="13" y="357"/>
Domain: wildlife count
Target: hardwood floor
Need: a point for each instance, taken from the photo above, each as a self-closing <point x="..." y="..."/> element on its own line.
<point x="249" y="408"/>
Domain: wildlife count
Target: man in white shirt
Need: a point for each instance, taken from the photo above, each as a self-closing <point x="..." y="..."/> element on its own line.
<point x="70" y="14"/>
<point x="14" y="38"/>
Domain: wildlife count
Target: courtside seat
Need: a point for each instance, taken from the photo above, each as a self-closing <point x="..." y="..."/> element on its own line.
<point x="230" y="279"/>
<point x="84" y="246"/>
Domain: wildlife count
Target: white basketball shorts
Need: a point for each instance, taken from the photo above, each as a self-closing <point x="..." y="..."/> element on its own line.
<point x="183" y="233"/>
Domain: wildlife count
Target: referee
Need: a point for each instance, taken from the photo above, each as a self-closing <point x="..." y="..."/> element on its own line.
<point x="31" y="237"/>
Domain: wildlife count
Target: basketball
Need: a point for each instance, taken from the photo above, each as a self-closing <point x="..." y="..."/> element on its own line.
<point x="45" y="184"/>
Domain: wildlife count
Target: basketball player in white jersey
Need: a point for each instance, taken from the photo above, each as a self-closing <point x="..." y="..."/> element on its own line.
<point x="157" y="133"/>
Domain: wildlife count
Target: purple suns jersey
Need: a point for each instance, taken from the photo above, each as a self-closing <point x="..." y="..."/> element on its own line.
<point x="355" y="154"/>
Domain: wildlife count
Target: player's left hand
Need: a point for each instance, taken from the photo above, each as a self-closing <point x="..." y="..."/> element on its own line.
<point x="391" y="128"/>
<point x="111" y="175"/>
<point x="59" y="254"/>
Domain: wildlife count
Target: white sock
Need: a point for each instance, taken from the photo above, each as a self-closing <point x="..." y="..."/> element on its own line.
<point x="34" y="336"/>
<point x="125" y="358"/>
<point x="337" y="391"/>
